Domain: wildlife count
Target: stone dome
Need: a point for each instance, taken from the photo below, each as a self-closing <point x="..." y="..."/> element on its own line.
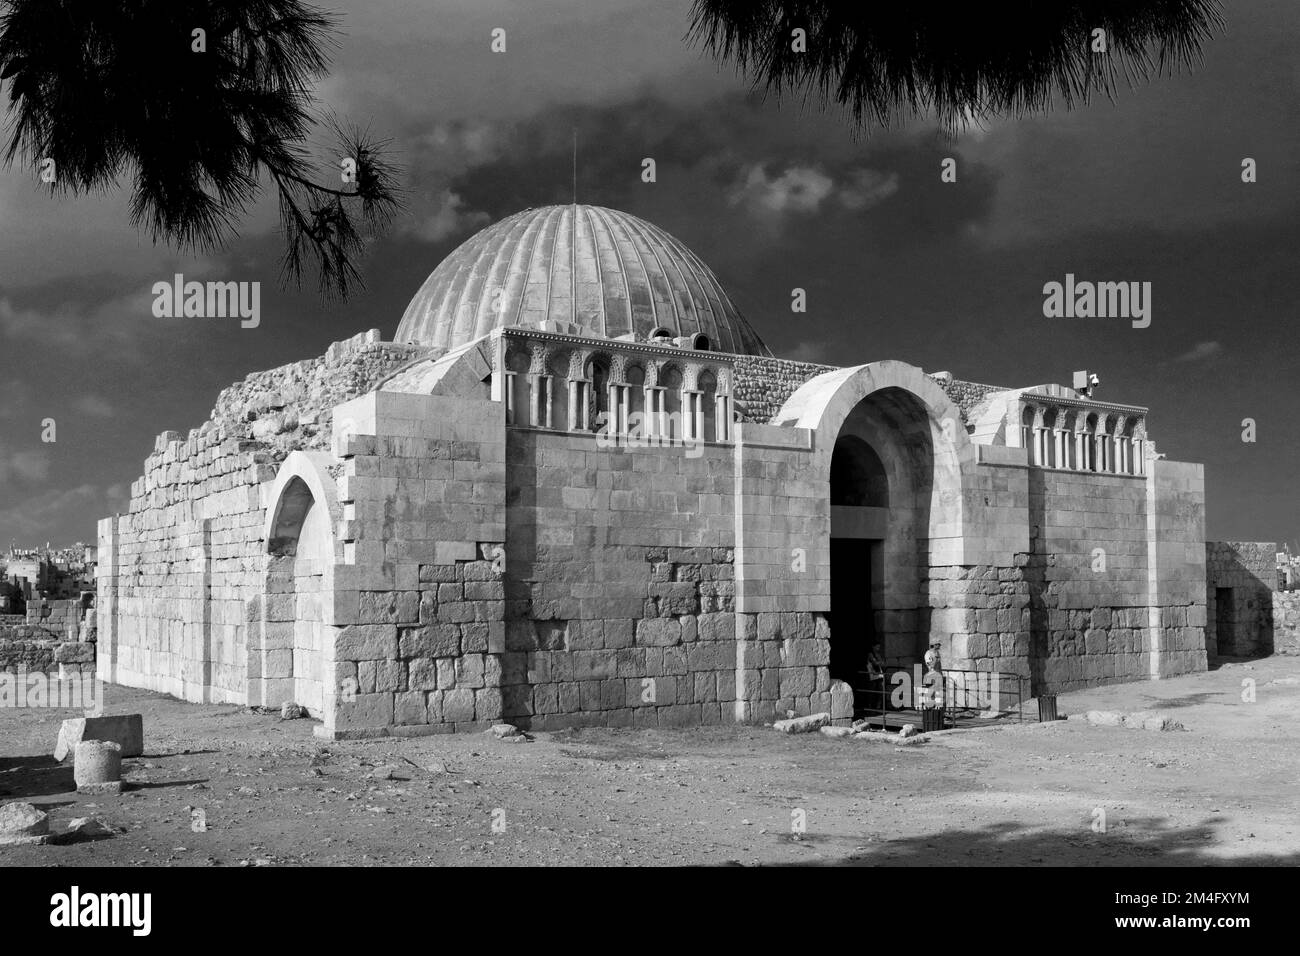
<point x="582" y="270"/>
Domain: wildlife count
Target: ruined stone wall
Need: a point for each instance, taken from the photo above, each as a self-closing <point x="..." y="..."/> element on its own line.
<point x="967" y="395"/>
<point x="1286" y="622"/>
<point x="177" y="570"/>
<point x="764" y="384"/>
<point x="33" y="649"/>
<point x="58" y="616"/>
<point x="1245" y="574"/>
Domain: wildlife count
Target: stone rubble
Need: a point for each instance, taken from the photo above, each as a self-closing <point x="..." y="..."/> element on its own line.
<point x="802" y="725"/>
<point x="1139" y="720"/>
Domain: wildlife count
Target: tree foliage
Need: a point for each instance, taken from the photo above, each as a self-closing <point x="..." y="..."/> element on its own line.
<point x="962" y="63"/>
<point x="116" y="89"/>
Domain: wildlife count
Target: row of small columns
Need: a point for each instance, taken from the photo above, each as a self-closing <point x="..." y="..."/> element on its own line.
<point x="658" y="420"/>
<point x="1079" y="449"/>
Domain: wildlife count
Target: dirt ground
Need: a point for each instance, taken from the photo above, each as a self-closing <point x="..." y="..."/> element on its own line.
<point x="1225" y="791"/>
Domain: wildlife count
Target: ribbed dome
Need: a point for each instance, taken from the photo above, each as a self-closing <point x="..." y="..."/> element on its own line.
<point x="594" y="271"/>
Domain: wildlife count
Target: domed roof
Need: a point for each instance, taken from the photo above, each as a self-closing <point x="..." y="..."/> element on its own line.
<point x="583" y="270"/>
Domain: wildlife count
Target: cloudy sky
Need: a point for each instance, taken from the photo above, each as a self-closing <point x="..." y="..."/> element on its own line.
<point x="896" y="264"/>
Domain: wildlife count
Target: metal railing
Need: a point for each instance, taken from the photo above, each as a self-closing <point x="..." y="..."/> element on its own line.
<point x="907" y="691"/>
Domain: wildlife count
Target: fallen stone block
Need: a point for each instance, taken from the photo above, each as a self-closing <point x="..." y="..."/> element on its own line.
<point x="802" y="725"/>
<point x="125" y="730"/>
<point x="21" y="824"/>
<point x="836" y="731"/>
<point x="1104" y="718"/>
<point x="907" y="730"/>
<point x="97" y="766"/>
<point x="292" y="711"/>
<point x="87" y="828"/>
<point x="501" y="731"/>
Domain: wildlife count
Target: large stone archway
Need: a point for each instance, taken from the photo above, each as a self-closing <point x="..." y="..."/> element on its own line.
<point x="895" y="457"/>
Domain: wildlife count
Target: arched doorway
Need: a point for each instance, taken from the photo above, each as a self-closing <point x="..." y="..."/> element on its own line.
<point x="859" y="516"/>
<point x="881" y="479"/>
<point x="894" y="544"/>
<point x="301" y="550"/>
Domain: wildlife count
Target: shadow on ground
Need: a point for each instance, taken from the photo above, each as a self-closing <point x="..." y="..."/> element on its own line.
<point x="34" y="776"/>
<point x="1190" y="700"/>
<point x="1148" y="841"/>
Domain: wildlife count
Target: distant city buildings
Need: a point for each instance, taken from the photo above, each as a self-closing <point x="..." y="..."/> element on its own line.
<point x="31" y="574"/>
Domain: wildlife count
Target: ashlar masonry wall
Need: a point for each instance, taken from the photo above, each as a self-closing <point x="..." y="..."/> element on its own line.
<point x="414" y="629"/>
<point x="619" y="583"/>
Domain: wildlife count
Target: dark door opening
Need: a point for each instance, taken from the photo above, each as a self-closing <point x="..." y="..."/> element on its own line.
<point x="852" y="617"/>
<point x="1225" y="622"/>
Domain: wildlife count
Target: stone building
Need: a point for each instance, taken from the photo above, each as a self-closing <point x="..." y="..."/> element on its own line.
<point x="1241" y="578"/>
<point x="577" y="488"/>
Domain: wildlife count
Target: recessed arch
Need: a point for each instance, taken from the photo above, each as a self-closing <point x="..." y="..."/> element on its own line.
<point x="295" y="649"/>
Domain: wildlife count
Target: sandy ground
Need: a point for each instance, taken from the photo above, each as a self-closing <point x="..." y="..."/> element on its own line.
<point x="1225" y="791"/>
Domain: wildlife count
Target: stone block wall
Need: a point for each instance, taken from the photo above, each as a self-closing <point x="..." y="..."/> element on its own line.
<point x="424" y="660"/>
<point x="989" y="608"/>
<point x="1286" y="622"/>
<point x="619" y="585"/>
<point x="1176" y="566"/>
<point x="30" y="649"/>
<point x="1106" y="592"/>
<point x="1087" y="576"/>
<point x="782" y="664"/>
<point x="65" y="617"/>
<point x="1245" y="574"/>
<point x="178" y="571"/>
<point x="415" y="621"/>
